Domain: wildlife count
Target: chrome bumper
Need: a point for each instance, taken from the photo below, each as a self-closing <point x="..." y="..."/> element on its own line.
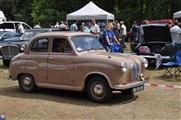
<point x="129" y="85"/>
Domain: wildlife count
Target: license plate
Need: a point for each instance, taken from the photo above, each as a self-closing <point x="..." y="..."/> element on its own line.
<point x="139" y="88"/>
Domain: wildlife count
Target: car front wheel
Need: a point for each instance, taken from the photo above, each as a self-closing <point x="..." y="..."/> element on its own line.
<point x="27" y="84"/>
<point x="99" y="90"/>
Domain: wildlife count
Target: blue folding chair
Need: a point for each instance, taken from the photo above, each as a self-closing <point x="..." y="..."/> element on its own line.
<point x="173" y="68"/>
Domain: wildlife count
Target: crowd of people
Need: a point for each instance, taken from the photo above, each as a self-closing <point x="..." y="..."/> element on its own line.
<point x="113" y="32"/>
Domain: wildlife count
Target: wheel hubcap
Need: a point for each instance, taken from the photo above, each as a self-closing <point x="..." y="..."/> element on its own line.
<point x="27" y="81"/>
<point x="98" y="89"/>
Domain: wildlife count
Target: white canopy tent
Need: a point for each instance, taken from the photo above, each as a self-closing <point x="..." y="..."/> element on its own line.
<point x="2" y="17"/>
<point x="90" y="11"/>
<point x="177" y="14"/>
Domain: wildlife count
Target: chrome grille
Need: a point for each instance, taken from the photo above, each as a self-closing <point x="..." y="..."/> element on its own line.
<point x="5" y="50"/>
<point x="134" y="72"/>
<point x="14" y="50"/>
<point x="10" y="51"/>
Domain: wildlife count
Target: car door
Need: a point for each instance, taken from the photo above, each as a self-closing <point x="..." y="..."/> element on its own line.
<point x="38" y="59"/>
<point x="61" y="66"/>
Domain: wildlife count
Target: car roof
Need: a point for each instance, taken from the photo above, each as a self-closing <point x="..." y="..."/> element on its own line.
<point x="11" y="22"/>
<point x="62" y="33"/>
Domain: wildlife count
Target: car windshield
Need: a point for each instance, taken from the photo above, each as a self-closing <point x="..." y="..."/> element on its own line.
<point x="1" y="33"/>
<point x="86" y="43"/>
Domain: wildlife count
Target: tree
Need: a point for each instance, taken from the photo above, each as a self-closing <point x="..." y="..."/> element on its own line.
<point x="50" y="11"/>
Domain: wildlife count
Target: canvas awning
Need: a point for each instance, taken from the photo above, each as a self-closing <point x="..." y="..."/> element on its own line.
<point x="2" y="17"/>
<point x="90" y="11"/>
<point x="177" y="14"/>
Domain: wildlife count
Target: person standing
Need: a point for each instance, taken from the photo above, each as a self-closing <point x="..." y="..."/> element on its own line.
<point x="116" y="29"/>
<point x="108" y="37"/>
<point x="95" y="30"/>
<point x="62" y="26"/>
<point x="74" y="27"/>
<point x="37" y="26"/>
<point x="175" y="32"/>
<point x="87" y="27"/>
<point x="135" y="32"/>
<point x="122" y="34"/>
<point x="56" y="25"/>
<point x="21" y="28"/>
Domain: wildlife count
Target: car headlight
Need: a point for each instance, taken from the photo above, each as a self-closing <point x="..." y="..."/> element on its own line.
<point x="145" y="63"/>
<point x="124" y="67"/>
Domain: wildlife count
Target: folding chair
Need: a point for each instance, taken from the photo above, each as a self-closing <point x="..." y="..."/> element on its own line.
<point x="173" y="68"/>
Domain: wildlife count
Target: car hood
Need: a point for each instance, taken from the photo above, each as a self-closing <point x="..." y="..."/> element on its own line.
<point x="157" y="33"/>
<point x="21" y="42"/>
<point x="116" y="57"/>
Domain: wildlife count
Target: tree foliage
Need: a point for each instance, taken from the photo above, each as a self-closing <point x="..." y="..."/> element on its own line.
<point x="49" y="11"/>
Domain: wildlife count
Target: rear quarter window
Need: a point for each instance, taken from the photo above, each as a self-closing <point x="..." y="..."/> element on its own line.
<point x="40" y="45"/>
<point x="7" y="26"/>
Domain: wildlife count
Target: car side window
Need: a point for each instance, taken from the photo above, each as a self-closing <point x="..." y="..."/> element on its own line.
<point x="7" y="26"/>
<point x="61" y="45"/>
<point x="25" y="26"/>
<point x="40" y="45"/>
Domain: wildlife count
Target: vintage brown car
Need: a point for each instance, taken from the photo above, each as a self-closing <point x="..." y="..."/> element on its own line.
<point x="76" y="61"/>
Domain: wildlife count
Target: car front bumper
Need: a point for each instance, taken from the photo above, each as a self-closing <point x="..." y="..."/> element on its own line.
<point x="129" y="85"/>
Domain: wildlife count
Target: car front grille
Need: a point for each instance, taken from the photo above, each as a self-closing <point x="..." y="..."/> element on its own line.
<point x="134" y="72"/>
<point x="10" y="51"/>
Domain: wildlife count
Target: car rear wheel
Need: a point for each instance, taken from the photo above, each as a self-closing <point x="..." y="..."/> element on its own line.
<point x="27" y="83"/>
<point x="99" y="90"/>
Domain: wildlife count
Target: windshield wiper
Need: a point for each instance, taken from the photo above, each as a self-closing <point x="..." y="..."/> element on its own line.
<point x="90" y="49"/>
<point x="99" y="49"/>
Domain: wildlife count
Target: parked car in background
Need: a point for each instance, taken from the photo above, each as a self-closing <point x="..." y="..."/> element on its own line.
<point x="12" y="25"/>
<point x="77" y="61"/>
<point x="18" y="46"/>
<point x="26" y="37"/>
<point x="7" y="38"/>
<point x="156" y="40"/>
